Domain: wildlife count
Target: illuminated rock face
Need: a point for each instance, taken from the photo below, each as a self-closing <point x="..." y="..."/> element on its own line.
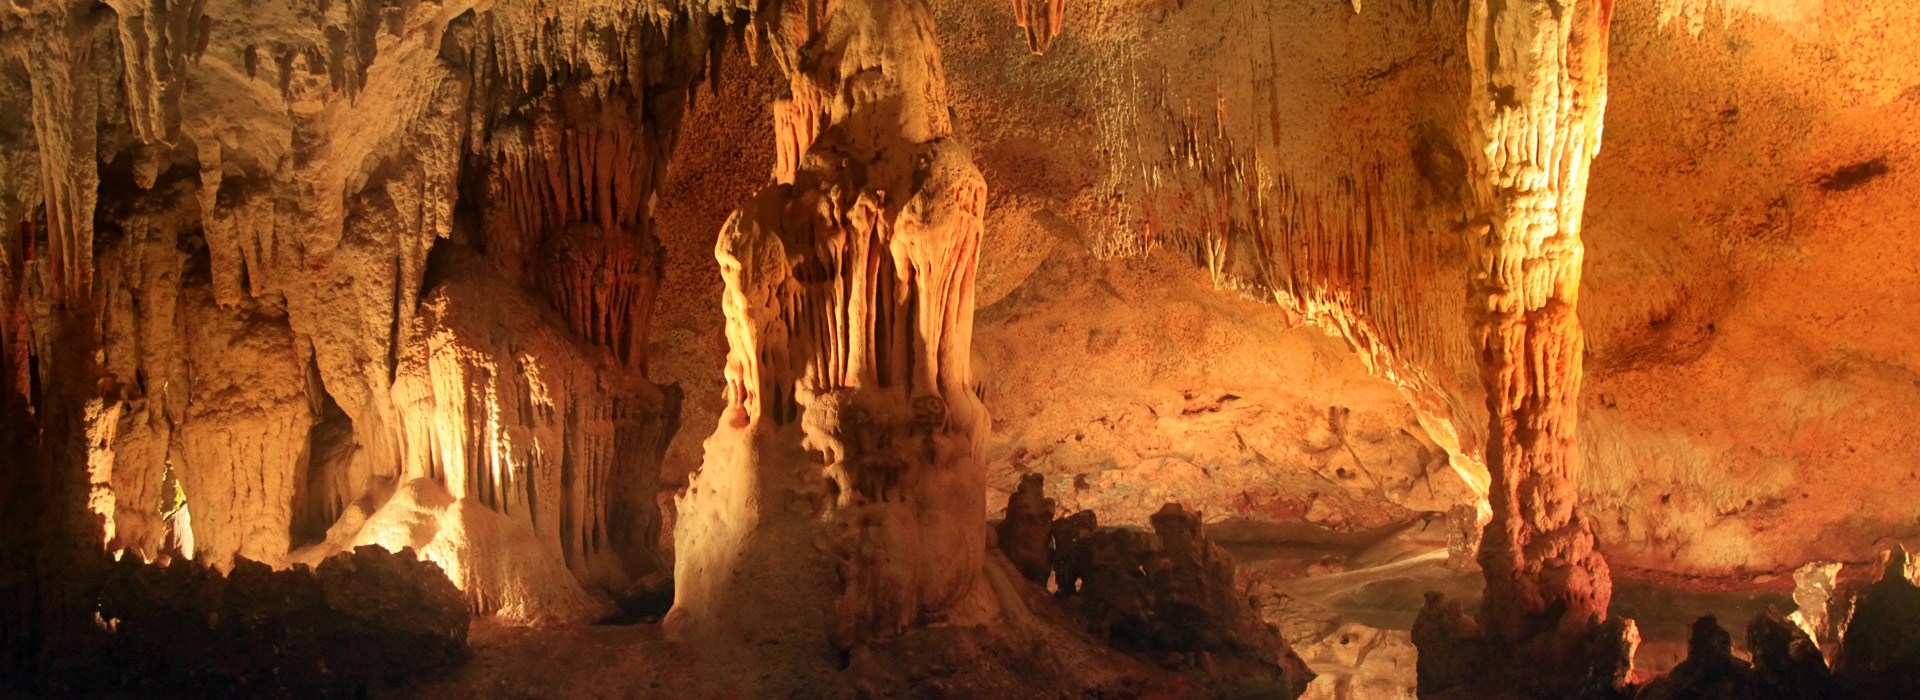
<point x="361" y="276"/>
<point x="1539" y="89"/>
<point x="1743" y="349"/>
<point x="528" y="470"/>
<point x="279" y="281"/>
<point x="843" y="494"/>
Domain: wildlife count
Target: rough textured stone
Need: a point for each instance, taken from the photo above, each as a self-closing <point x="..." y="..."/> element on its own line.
<point x="1026" y="534"/>
<point x="1786" y="662"/>
<point x="842" y="496"/>
<point x="1170" y="597"/>
<point x="1710" y="672"/>
<point x="367" y="618"/>
<point x="1880" y="656"/>
<point x="282" y="279"/>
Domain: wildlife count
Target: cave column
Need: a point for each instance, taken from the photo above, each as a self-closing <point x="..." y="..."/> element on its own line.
<point x="842" y="497"/>
<point x="1538" y="92"/>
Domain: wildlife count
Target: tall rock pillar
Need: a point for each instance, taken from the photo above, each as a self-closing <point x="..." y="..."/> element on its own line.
<point x="842" y="497"/>
<point x="1539" y="80"/>
<point x="1539" y="88"/>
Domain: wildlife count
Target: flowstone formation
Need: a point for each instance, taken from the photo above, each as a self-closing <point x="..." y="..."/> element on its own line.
<point x="843" y="495"/>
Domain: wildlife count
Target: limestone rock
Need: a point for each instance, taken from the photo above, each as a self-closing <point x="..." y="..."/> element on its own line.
<point x="1880" y="656"/>
<point x="1786" y="662"/>
<point x="842" y="496"/>
<point x="1170" y="597"/>
<point x="367" y="618"/>
<point x="1026" y="534"/>
<point x="1042" y="20"/>
<point x="1710" y="671"/>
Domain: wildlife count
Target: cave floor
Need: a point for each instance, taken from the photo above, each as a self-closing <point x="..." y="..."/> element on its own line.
<point x="565" y="661"/>
<point x="1352" y="626"/>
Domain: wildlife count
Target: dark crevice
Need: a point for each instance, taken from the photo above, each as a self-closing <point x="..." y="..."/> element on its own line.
<point x="1854" y="175"/>
<point x="321" y="485"/>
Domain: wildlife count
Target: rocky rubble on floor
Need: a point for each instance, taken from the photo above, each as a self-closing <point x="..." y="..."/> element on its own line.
<point x="1875" y="653"/>
<point x="361" y="619"/>
<point x="1358" y="662"/>
<point x="1168" y="597"/>
<point x="1880" y="655"/>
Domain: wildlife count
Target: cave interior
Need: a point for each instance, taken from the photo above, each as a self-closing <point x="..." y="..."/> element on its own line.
<point x="959" y="349"/>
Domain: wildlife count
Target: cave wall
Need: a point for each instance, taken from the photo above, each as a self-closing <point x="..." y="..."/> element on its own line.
<point x="1105" y="374"/>
<point x="1189" y="129"/>
<point x="293" y="278"/>
<point x="1754" y="157"/>
<point x="1749" y="371"/>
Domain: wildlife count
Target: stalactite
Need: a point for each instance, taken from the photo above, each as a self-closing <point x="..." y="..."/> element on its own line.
<point x="526" y="467"/>
<point x="567" y="195"/>
<point x="65" y="114"/>
<point x="1042" y="20"/>
<point x="1353" y="241"/>
<point x="1347" y="254"/>
<point x="328" y="146"/>
<point x="156" y="41"/>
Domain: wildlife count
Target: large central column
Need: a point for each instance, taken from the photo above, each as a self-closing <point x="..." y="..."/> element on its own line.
<point x="1539" y="79"/>
<point x="1539" y="89"/>
<point x="842" y="496"/>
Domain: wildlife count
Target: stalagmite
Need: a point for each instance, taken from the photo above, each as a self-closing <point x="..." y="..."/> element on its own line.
<point x="1710" y="671"/>
<point x="1169" y="595"/>
<point x="1786" y="661"/>
<point x="244" y="434"/>
<point x="1026" y="533"/>
<point x="843" y="494"/>
<point x="1880" y="656"/>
